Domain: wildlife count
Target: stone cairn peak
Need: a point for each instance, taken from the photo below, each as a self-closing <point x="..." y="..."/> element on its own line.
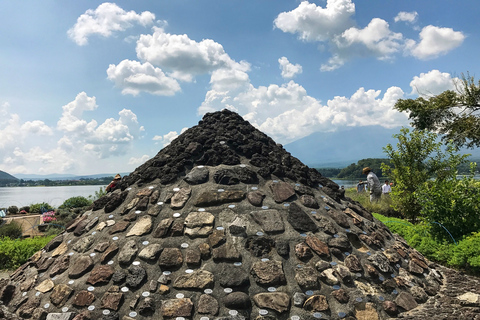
<point x="222" y="224"/>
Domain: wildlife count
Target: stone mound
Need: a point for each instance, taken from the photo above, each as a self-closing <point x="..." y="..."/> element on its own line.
<point x="222" y="224"/>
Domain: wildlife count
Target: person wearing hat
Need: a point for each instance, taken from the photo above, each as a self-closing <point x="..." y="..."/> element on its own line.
<point x="373" y="184"/>
<point x="114" y="183"/>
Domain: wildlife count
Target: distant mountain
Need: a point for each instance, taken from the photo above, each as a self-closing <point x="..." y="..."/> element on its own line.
<point x="7" y="178"/>
<point x="341" y="148"/>
<point x="63" y="176"/>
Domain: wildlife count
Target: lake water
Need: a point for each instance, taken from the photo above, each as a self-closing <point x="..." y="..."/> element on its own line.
<point x="55" y="196"/>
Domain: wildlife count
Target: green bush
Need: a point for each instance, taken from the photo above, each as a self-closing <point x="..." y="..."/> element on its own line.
<point x="467" y="253"/>
<point x="12" y="210"/>
<point x="12" y="230"/>
<point x="14" y="253"/>
<point x="76" y="202"/>
<point x="40" y="207"/>
<point x="453" y="203"/>
<point x="464" y="254"/>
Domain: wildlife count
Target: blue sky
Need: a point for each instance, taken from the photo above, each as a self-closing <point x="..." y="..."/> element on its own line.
<point x="89" y="87"/>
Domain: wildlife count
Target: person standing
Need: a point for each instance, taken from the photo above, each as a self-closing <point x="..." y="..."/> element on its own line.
<point x="386" y="188"/>
<point x="374" y="185"/>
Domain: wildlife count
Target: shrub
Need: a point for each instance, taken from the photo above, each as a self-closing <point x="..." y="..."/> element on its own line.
<point x="25" y="208"/>
<point x="453" y="203"/>
<point x="76" y="202"/>
<point x="40" y="207"/>
<point x="467" y="253"/>
<point x="12" y="210"/>
<point x="14" y="253"/>
<point x="12" y="230"/>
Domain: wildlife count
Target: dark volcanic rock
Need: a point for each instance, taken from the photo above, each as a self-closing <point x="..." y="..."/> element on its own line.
<point x="299" y="220"/>
<point x="197" y="176"/>
<point x="200" y="230"/>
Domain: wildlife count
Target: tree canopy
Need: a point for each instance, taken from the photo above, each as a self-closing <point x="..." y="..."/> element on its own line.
<point x="455" y="114"/>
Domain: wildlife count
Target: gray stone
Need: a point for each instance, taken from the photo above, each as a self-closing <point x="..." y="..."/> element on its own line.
<point x="278" y="301"/>
<point x="83" y="244"/>
<point x="100" y="275"/>
<point x="406" y="301"/>
<point x="61" y="316"/>
<point x="237" y="300"/>
<point x="318" y="246"/>
<point x="143" y="226"/>
<point x="170" y="257"/>
<point x="136" y="277"/>
<point x="316" y="303"/>
<point x="199" y="224"/>
<point x="255" y="198"/>
<point x="128" y="252"/>
<point x="299" y="299"/>
<point x="197" y="176"/>
<point x="215" y="198"/>
<point x="180" y="198"/>
<point x="54" y="243"/>
<point x="232" y="276"/>
<point x="146" y="307"/>
<point x="269" y="220"/>
<point x="268" y="272"/>
<point x="309" y="201"/>
<point x="325" y="224"/>
<point x="163" y="228"/>
<point x="226" y="252"/>
<point x="80" y="266"/>
<point x="110" y="252"/>
<point x="176" y="308"/>
<point x="299" y="220"/>
<point x="307" y="278"/>
<point x="381" y="262"/>
<point x="207" y="305"/>
<point x="150" y="252"/>
<point x="60" y="294"/>
<point x="341" y="243"/>
<point x="340" y="218"/>
<point x="281" y="191"/>
<point x="198" y="279"/>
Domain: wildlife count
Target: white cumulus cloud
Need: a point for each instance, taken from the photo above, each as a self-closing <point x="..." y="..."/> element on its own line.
<point x="314" y="23"/>
<point x="432" y="83"/>
<point x="134" y="77"/>
<point x="435" y="41"/>
<point x="334" y="27"/>
<point x="289" y="70"/>
<point x="287" y="112"/>
<point x="180" y="55"/>
<point x="406" y="16"/>
<point x="138" y="161"/>
<point x="106" y="19"/>
<point x="166" y="139"/>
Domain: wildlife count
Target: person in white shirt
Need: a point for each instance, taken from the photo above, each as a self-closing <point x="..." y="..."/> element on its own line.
<point x="373" y="184"/>
<point x="386" y="188"/>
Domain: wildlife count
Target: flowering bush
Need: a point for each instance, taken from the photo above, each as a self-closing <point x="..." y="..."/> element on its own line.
<point x="23" y="212"/>
<point x="48" y="216"/>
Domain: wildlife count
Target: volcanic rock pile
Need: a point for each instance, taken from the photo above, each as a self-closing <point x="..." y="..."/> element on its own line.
<point x="222" y="224"/>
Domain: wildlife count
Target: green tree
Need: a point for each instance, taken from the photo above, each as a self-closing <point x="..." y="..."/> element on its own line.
<point x="454" y="203"/>
<point x="452" y="113"/>
<point x="354" y="171"/>
<point x="418" y="158"/>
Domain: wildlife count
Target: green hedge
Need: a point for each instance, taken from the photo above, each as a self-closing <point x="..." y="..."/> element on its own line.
<point x="463" y="254"/>
<point x="14" y="253"/>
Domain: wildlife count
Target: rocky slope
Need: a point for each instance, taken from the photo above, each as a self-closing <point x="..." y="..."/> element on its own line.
<point x="222" y="224"/>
